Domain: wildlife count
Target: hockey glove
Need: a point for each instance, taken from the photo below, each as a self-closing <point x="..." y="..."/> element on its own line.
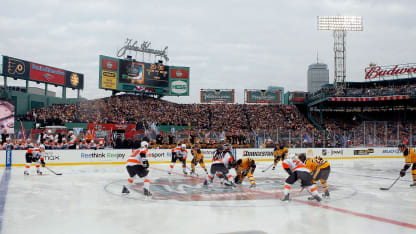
<point x="42" y="162"/>
<point x="145" y="164"/>
<point x="244" y="173"/>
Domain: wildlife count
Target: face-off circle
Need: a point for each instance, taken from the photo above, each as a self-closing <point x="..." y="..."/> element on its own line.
<point x="192" y="189"/>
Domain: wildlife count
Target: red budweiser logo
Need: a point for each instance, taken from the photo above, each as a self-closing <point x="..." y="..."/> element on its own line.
<point x="380" y="72"/>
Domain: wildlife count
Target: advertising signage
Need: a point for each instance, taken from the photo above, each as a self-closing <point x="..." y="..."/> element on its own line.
<point x="393" y="71"/>
<point x="263" y="96"/>
<point x="134" y="76"/>
<point x="217" y="96"/>
<point x="21" y="69"/>
<point x="179" y="81"/>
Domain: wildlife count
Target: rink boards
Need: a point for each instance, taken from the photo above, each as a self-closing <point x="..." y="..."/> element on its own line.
<point x="113" y="156"/>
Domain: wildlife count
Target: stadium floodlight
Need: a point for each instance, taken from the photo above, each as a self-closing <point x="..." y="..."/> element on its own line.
<point x="340" y="25"/>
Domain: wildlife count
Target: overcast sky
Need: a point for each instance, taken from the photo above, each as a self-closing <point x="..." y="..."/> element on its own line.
<point x="232" y="44"/>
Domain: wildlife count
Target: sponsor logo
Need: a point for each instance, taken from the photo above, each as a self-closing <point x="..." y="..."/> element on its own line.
<point x="179" y="87"/>
<point x="157" y="155"/>
<point x="50" y="156"/>
<point x="116" y="156"/>
<point x="47" y="74"/>
<point x="363" y="152"/>
<point x="258" y="153"/>
<point x="374" y="72"/>
<point x="109" y="74"/>
<point x="391" y="151"/>
<point x="93" y="155"/>
<point x="324" y="152"/>
<point x="109" y="64"/>
<point x="337" y="152"/>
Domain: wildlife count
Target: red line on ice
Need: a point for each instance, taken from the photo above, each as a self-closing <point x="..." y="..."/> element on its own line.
<point x="391" y="221"/>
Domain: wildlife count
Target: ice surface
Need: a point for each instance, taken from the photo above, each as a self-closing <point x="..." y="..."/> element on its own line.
<point x="88" y="199"/>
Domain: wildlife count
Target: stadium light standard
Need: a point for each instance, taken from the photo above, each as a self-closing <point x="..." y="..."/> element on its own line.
<point x="340" y="25"/>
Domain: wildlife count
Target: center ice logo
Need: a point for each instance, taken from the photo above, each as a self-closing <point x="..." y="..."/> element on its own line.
<point x="192" y="189"/>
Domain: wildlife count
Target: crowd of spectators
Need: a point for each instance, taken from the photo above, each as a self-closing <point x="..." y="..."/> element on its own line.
<point x="241" y="124"/>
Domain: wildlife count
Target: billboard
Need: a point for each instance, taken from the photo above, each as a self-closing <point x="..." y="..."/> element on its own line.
<point x="134" y="76"/>
<point x="217" y="96"/>
<point x="147" y="74"/>
<point x="22" y="69"/>
<point x="16" y="68"/>
<point x="400" y="71"/>
<point x="6" y="117"/>
<point x="262" y="96"/>
<point x="179" y="81"/>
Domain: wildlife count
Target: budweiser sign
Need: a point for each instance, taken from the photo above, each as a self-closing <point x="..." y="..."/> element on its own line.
<point x="399" y="71"/>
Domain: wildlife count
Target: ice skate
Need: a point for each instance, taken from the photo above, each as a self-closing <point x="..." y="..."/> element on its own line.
<point x="317" y="198"/>
<point x="286" y="198"/>
<point x="146" y="192"/>
<point x="26" y="173"/>
<point x="125" y="190"/>
<point x="413" y="185"/>
<point x="326" y="194"/>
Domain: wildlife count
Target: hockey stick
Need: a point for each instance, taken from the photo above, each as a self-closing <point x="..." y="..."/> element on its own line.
<point x="267" y="168"/>
<point x="190" y="171"/>
<point x="53" y="171"/>
<point x="391" y="184"/>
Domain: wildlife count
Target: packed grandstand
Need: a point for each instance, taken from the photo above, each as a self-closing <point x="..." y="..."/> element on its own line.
<point x="324" y="119"/>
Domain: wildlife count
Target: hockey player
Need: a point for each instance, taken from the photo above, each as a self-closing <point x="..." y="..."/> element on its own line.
<point x="298" y="171"/>
<point x="72" y="140"/>
<point x="84" y="144"/>
<point x="245" y="167"/>
<point x="320" y="170"/>
<point x="198" y="157"/>
<point x="179" y="153"/>
<point x="279" y="154"/>
<point x="92" y="145"/>
<point x="29" y="144"/>
<point x="409" y="159"/>
<point x="137" y="164"/>
<point x="35" y="155"/>
<point x="221" y="162"/>
<point x="228" y="149"/>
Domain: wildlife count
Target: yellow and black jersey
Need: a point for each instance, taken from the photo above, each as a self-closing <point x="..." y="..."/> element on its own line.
<point x="409" y="155"/>
<point x="280" y="152"/>
<point x="316" y="163"/>
<point x="245" y="163"/>
<point x="197" y="154"/>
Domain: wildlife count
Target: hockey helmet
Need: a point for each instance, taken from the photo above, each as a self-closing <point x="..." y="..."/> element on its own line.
<point x="227" y="146"/>
<point x="144" y="144"/>
<point x="183" y="146"/>
<point x="42" y="146"/>
<point x="220" y="147"/>
<point x="302" y="157"/>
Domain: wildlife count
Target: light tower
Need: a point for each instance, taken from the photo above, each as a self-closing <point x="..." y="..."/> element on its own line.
<point x="340" y="25"/>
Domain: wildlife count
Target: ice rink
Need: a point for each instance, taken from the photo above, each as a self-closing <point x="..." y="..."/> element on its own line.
<point x="87" y="199"/>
